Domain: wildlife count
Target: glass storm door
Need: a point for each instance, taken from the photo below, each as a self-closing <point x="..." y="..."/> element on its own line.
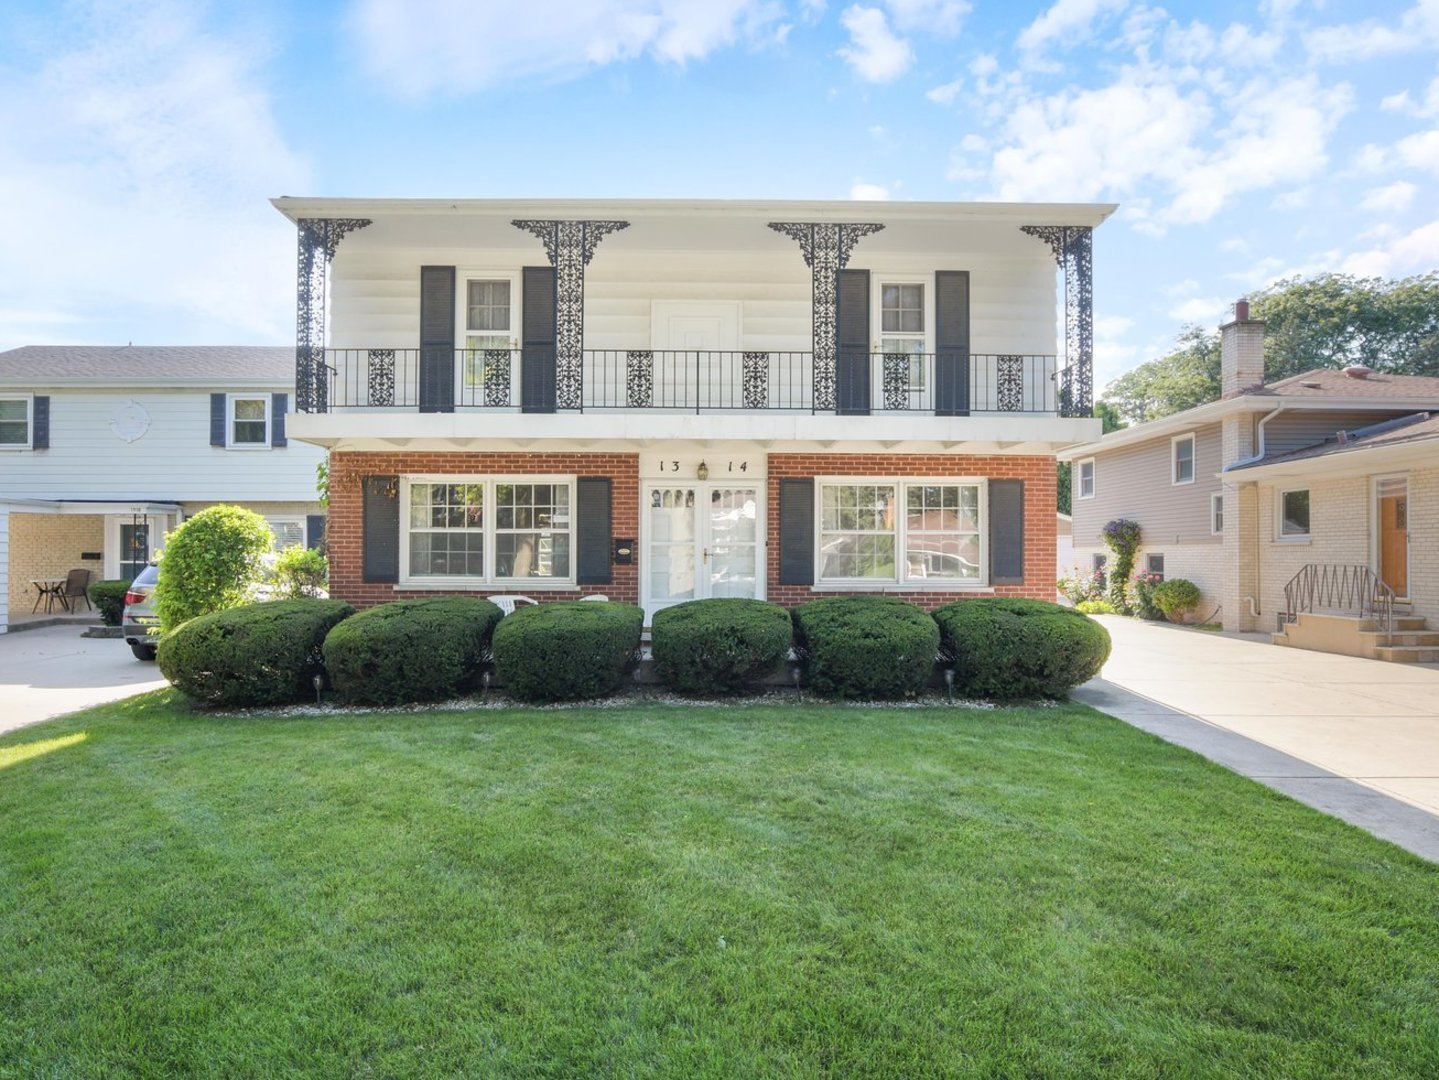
<point x="703" y="542"/>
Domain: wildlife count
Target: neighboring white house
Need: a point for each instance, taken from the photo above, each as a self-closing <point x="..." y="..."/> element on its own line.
<point x="664" y="400"/>
<point x="105" y="449"/>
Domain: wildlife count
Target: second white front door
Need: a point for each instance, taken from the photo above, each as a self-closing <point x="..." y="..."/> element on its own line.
<point x="702" y="541"/>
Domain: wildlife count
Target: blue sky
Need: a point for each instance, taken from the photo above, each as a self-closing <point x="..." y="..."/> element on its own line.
<point x="1245" y="141"/>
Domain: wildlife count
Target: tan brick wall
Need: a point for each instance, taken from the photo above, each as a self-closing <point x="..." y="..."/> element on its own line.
<point x="1339" y="531"/>
<point x="1202" y="564"/>
<point x="1424" y="543"/>
<point x="50" y="545"/>
<point x="1239" y="577"/>
<point x="1038" y="474"/>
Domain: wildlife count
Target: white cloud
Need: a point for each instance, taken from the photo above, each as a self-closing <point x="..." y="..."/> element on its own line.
<point x="1066" y="20"/>
<point x="868" y="192"/>
<point x="945" y="95"/>
<point x="875" y="52"/>
<point x="928" y="16"/>
<point x="418" y="47"/>
<point x="1200" y="309"/>
<point x="1389" y="199"/>
<point x="1407" y="253"/>
<point x="1182" y="288"/>
<point x="1420" y="151"/>
<point x="1417" y="29"/>
<point x="141" y="148"/>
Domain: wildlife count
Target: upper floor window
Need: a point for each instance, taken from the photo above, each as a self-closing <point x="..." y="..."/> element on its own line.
<point x="15" y="423"/>
<point x="885" y="531"/>
<point x="249" y="420"/>
<point x="901" y="325"/>
<point x="489" y="323"/>
<point x="1182" y="450"/>
<point x="1084" y="478"/>
<point x="1294" y="514"/>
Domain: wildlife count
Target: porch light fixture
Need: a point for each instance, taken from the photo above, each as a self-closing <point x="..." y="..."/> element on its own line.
<point x="703" y="471"/>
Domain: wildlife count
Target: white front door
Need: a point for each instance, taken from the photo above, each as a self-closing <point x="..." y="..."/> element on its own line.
<point x="701" y="540"/>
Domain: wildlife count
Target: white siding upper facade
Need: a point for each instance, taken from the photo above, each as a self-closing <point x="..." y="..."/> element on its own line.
<point x="151" y="444"/>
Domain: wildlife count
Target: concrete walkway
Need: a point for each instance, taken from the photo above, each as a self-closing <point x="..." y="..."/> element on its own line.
<point x="1329" y="729"/>
<point x="49" y="672"/>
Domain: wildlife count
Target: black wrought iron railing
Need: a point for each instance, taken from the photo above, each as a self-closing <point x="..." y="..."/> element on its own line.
<point x="689" y="380"/>
<point x="1346" y="588"/>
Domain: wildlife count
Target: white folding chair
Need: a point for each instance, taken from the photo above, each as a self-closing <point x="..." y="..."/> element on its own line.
<point x="507" y="604"/>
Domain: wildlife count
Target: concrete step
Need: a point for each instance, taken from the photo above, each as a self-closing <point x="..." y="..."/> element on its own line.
<point x="1422" y="638"/>
<point x="1399" y="654"/>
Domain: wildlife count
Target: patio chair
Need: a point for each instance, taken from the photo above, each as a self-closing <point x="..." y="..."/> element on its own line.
<point x="77" y="584"/>
<point x="507" y="604"/>
<point x="597" y="596"/>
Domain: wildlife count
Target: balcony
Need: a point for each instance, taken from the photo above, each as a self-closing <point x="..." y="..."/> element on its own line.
<point x="695" y="381"/>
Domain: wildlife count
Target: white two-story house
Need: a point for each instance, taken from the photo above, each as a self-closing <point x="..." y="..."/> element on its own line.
<point x="658" y="401"/>
<point x="105" y="449"/>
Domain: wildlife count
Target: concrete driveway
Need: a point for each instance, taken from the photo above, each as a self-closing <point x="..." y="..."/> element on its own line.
<point x="1368" y="721"/>
<point x="45" y="673"/>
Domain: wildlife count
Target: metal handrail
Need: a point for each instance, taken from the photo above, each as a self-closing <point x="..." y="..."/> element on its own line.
<point x="1342" y="587"/>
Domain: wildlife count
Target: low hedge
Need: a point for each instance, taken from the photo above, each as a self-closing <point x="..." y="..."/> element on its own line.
<point x="259" y="654"/>
<point x="411" y="650"/>
<point x="719" y="646"/>
<point x="1013" y="648"/>
<point x="865" y="646"/>
<point x="1176" y="598"/>
<point x="563" y="651"/>
<point x="109" y="600"/>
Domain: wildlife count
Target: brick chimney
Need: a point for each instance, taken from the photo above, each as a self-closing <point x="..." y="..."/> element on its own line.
<point x="1241" y="353"/>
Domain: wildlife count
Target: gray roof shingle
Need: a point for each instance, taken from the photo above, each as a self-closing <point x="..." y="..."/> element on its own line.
<point x="1327" y="382"/>
<point x="118" y="365"/>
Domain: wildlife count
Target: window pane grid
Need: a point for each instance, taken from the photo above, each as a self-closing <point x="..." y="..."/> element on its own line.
<point x="14" y="422"/>
<point x="447" y="524"/>
<point x="532" y="531"/>
<point x="862" y="535"/>
<point x="249" y="420"/>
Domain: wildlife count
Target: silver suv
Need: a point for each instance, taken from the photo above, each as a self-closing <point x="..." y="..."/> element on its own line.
<point x="139" y="617"/>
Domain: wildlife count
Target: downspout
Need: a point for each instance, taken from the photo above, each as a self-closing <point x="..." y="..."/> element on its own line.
<point x="1254" y="458"/>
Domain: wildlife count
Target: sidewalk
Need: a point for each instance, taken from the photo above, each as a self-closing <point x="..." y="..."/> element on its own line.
<point x="51" y="671"/>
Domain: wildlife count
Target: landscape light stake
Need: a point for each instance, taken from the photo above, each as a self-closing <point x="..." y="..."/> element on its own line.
<point x="949" y="684"/>
<point x="317" y="681"/>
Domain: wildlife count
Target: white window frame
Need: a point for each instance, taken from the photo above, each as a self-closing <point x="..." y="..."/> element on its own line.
<point x="288" y="519"/>
<point x="490" y="580"/>
<point x="1174" y="459"/>
<point x="463" y="277"/>
<point x="901" y="534"/>
<point x="231" y="400"/>
<point x="1216" y="514"/>
<point x="1079" y="478"/>
<point x="29" y="400"/>
<point x="1280" y="536"/>
<point x="1149" y="557"/>
<point x="879" y="279"/>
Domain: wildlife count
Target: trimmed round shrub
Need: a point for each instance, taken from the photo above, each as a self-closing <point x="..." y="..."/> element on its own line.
<point x="109" y="600"/>
<point x="559" y="652"/>
<point x="1005" y="648"/>
<point x="211" y="563"/>
<point x="411" y="650"/>
<point x="865" y="646"/>
<point x="719" y="646"/>
<point x="1176" y="598"/>
<point x="260" y="654"/>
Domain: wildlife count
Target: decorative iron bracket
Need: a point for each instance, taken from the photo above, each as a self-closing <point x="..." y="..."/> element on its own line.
<point x="319" y="238"/>
<point x="826" y="247"/>
<point x="570" y="245"/>
<point x="1073" y="248"/>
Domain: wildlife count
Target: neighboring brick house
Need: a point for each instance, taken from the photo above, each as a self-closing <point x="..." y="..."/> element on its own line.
<point x="105" y="449"/>
<point x="1328" y="470"/>
<point x="659" y="401"/>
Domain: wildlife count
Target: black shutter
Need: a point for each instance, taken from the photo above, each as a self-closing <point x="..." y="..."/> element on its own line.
<point x="217" y="419"/>
<point x="852" y="340"/>
<point x="40" y="419"/>
<point x="796" y="532"/>
<point x="315" y="531"/>
<point x="538" y="357"/>
<point x="951" y="345"/>
<point x="437" y="339"/>
<point x="279" y="405"/>
<point x="1006" y="532"/>
<point x="381" y="560"/>
<point x="592" y="530"/>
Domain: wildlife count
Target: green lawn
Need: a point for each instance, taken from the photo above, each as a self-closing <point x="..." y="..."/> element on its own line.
<point x="661" y="891"/>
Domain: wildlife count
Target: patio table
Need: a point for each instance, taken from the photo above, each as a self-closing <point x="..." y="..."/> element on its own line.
<point x="49" y="590"/>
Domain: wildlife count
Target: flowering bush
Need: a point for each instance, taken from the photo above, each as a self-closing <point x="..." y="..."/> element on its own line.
<point x="1122" y="537"/>
<point x="1084" y="585"/>
<point x="1142" y="588"/>
<point x="1176" y="598"/>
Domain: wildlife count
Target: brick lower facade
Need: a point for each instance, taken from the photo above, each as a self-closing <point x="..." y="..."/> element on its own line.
<point x="348" y="469"/>
<point x="50" y="546"/>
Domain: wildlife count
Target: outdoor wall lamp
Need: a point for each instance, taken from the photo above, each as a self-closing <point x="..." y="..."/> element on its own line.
<point x="703" y="472"/>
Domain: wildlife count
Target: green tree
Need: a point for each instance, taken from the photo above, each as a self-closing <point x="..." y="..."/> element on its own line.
<point x="1112" y="421"/>
<point x="1183" y="378"/>
<point x="210" y="563"/>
